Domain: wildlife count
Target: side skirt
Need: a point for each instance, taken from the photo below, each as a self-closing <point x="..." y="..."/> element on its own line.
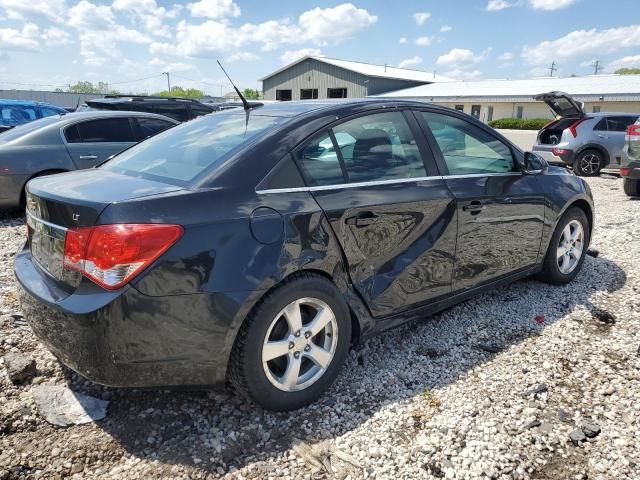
<point x="380" y="325"/>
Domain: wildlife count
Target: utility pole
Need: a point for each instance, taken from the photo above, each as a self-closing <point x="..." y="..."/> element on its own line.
<point x="553" y="68"/>
<point x="168" y="81"/>
<point x="597" y="66"/>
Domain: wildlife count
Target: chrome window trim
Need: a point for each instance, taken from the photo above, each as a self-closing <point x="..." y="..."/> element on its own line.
<point x="374" y="183"/>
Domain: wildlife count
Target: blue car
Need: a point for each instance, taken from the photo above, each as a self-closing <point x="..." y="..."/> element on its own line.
<point x="17" y="112"/>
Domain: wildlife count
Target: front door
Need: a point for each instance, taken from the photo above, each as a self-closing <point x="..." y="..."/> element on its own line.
<point x="613" y="139"/>
<point x="394" y="219"/>
<point x="500" y="210"/>
<point x="93" y="141"/>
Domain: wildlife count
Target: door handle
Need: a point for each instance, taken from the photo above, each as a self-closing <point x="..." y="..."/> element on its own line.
<point x="603" y="136"/>
<point x="474" y="207"/>
<point x="362" y="220"/>
<point x="88" y="157"/>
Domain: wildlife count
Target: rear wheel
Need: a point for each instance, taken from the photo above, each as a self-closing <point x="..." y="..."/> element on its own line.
<point x="567" y="248"/>
<point x="632" y="187"/>
<point x="292" y="345"/>
<point x="588" y="163"/>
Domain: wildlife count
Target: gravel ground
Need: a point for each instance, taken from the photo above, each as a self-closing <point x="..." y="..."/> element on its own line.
<point x="496" y="387"/>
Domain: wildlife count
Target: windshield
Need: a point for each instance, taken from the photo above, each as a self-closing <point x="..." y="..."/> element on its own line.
<point x="182" y="153"/>
<point x="24" y="129"/>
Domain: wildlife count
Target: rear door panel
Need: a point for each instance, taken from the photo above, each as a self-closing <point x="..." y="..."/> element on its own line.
<point x="399" y="240"/>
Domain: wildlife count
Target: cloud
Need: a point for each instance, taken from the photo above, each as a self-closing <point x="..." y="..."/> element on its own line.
<point x="410" y="62"/>
<point x="291" y="56"/>
<point x="496" y="5"/>
<point x="215" y="9"/>
<point x="461" y="74"/>
<point x="550" y="4"/>
<point x="403" y="40"/>
<point x="21" y="40"/>
<point x="505" y="57"/>
<point x="334" y="25"/>
<point x="30" y="9"/>
<point x="424" y="41"/>
<point x="460" y="56"/>
<point x="421" y="17"/>
<point x="55" y="36"/>
<point x="87" y="16"/>
<point x="242" y="57"/>
<point x="146" y="14"/>
<point x="446" y="28"/>
<point x="318" y="26"/>
<point x="171" y="67"/>
<point x="631" y="61"/>
<point x="583" y="43"/>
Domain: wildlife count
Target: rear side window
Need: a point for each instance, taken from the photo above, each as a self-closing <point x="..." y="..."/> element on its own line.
<point x="184" y="152"/>
<point x="177" y="111"/>
<point x="466" y="148"/>
<point x="148" y="127"/>
<point x="620" y="123"/>
<point x="369" y="148"/>
<point x="107" y="130"/>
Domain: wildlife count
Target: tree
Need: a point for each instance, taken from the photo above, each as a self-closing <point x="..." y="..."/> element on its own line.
<point x="178" y="91"/>
<point x="628" y="71"/>
<point x="84" y="86"/>
<point x="250" y="93"/>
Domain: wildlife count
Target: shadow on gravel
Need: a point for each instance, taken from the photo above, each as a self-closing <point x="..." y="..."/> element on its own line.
<point x="215" y="431"/>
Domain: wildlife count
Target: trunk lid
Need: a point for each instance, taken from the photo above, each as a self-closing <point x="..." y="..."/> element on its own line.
<point x="562" y="104"/>
<point x="57" y="203"/>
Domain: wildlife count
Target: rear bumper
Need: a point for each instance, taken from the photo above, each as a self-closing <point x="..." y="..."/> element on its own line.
<point x="11" y="187"/>
<point x="554" y="154"/>
<point x="633" y="170"/>
<point x="127" y="339"/>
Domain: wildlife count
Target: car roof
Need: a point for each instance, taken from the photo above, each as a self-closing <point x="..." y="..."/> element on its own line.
<point x="27" y="103"/>
<point x="301" y="107"/>
<point x="142" y="99"/>
<point x="96" y="114"/>
<point x="617" y="114"/>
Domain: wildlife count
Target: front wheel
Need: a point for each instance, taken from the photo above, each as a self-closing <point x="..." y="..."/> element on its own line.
<point x="292" y="345"/>
<point x="588" y="163"/>
<point x="567" y="248"/>
<point x="632" y="187"/>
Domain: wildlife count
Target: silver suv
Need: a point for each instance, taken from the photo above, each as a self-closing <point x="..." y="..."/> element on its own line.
<point x="588" y="142"/>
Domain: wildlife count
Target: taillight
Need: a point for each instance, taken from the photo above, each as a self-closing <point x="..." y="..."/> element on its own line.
<point x="624" y="171"/>
<point x="633" y="130"/>
<point x="112" y="255"/>
<point x="558" y="152"/>
<point x="574" y="126"/>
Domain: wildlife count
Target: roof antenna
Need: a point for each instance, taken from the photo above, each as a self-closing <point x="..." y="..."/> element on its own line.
<point x="247" y="105"/>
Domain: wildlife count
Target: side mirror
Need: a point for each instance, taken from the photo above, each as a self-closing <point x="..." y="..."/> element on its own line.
<point x="534" y="163"/>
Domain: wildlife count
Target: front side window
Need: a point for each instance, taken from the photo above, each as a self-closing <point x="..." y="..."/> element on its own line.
<point x="466" y="148"/>
<point x="106" y="130"/>
<point x="148" y="127"/>
<point x="182" y="153"/>
<point x="369" y="148"/>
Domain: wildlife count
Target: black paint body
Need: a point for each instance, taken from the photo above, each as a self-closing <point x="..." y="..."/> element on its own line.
<point x="396" y="251"/>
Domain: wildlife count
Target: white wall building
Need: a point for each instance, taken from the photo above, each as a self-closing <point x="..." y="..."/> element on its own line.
<point x="493" y="99"/>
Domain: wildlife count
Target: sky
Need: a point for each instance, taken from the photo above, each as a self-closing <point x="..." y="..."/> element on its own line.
<point x="48" y="44"/>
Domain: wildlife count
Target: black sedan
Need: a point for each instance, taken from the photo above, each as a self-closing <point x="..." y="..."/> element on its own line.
<point x="257" y="246"/>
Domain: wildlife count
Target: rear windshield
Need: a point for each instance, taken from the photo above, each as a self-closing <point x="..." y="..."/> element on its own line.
<point x="26" y="128"/>
<point x="181" y="154"/>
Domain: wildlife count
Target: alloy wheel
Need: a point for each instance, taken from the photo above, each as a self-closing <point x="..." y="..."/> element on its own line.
<point x="590" y="164"/>
<point x="570" y="247"/>
<point x="300" y="344"/>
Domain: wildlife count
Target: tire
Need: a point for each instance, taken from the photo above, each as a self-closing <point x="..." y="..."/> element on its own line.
<point x="588" y="163"/>
<point x="552" y="271"/>
<point x="264" y="382"/>
<point x="631" y="187"/>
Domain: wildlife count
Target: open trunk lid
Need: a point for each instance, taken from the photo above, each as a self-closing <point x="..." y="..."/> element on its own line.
<point x="562" y="104"/>
<point x="57" y="203"/>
